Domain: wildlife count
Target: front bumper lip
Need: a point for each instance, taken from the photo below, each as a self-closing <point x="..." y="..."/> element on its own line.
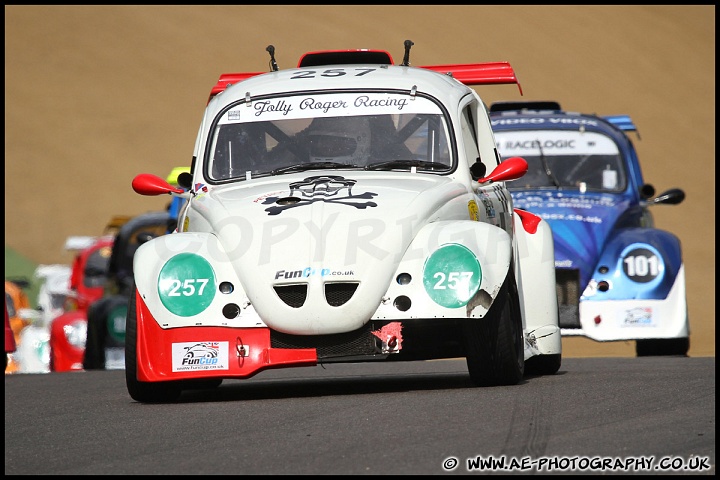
<point x="208" y="352"/>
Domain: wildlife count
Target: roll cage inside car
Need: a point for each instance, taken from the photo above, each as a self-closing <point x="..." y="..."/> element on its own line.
<point x="369" y="142"/>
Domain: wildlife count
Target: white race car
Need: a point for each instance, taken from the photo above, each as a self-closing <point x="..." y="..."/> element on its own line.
<point x="346" y="210"/>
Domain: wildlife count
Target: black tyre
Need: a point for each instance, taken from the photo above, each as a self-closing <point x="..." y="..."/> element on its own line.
<point x="145" y="392"/>
<point x="494" y="345"/>
<point x="94" y="355"/>
<point x="98" y="336"/>
<point x="543" y="364"/>
<point x="662" y="347"/>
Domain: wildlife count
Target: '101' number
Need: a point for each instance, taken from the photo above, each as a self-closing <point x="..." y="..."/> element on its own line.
<point x="641" y="266"/>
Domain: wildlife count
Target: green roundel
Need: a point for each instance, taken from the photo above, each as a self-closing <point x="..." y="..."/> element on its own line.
<point x="116" y="323"/>
<point x="452" y="275"/>
<point x="186" y="284"/>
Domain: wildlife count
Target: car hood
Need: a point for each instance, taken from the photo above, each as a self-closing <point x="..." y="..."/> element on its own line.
<point x="580" y="222"/>
<point x="316" y="229"/>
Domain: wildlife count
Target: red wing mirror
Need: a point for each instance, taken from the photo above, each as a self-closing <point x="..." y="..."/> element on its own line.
<point x="509" y="169"/>
<point x="149" y="184"/>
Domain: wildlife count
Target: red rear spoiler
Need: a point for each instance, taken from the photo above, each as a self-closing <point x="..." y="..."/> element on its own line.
<point x="227" y="79"/>
<point x="490" y="73"/>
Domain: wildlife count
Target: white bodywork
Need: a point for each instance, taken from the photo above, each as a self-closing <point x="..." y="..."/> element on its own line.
<point x="634" y="319"/>
<point x="33" y="351"/>
<point x="389" y="224"/>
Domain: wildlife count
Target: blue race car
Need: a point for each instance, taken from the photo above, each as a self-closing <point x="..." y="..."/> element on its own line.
<point x="617" y="276"/>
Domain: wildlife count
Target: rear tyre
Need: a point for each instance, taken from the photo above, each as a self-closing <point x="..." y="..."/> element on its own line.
<point x="543" y="364"/>
<point x="494" y="344"/>
<point x="662" y="347"/>
<point x="145" y="392"/>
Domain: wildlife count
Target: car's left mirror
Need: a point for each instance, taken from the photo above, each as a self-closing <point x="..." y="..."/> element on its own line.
<point x="149" y="184"/>
<point x="509" y="169"/>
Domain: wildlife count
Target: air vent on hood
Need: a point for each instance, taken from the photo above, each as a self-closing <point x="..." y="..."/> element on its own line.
<point x="358" y="342"/>
<point x="293" y="295"/>
<point x="338" y="294"/>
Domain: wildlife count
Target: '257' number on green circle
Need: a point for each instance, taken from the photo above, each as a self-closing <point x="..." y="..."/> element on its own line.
<point x="452" y="280"/>
<point x="188" y="287"/>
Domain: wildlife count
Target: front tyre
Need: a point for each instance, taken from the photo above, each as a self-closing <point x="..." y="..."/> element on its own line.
<point x="145" y="392"/>
<point x="494" y="344"/>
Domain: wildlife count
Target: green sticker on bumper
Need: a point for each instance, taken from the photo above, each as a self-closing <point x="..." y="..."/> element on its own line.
<point x="187" y="284"/>
<point x="452" y="275"/>
<point x="116" y="323"/>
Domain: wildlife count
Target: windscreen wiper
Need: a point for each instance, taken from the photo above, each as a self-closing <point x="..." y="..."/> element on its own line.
<point x="546" y="166"/>
<point x="311" y="166"/>
<point x="406" y="164"/>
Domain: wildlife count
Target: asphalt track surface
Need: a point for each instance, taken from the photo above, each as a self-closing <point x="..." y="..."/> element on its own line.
<point x="621" y="415"/>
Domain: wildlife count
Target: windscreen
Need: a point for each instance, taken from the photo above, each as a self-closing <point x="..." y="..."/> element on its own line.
<point x="96" y="268"/>
<point x="358" y="130"/>
<point x="565" y="159"/>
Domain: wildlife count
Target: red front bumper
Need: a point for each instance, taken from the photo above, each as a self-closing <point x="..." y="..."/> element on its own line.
<point x="65" y="357"/>
<point x="204" y="352"/>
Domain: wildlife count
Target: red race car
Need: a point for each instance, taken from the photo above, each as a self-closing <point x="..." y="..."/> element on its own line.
<point x="87" y="282"/>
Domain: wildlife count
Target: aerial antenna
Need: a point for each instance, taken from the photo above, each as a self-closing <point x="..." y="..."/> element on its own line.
<point x="406" y="58"/>
<point x="273" y="64"/>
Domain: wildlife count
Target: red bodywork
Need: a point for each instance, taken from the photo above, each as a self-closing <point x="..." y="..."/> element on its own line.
<point x="64" y="356"/>
<point x="249" y="350"/>
<point x="489" y="73"/>
<point x="85" y="293"/>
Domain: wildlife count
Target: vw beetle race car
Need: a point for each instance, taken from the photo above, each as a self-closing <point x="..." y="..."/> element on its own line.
<point x="33" y="345"/>
<point x="68" y="331"/>
<point x="346" y="210"/>
<point x="618" y="277"/>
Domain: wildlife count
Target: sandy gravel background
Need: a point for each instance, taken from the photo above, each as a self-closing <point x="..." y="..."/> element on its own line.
<point x="97" y="94"/>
